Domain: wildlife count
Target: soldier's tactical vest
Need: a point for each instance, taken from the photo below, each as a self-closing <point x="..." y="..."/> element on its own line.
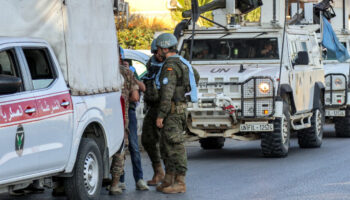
<point x="151" y="96"/>
<point x="183" y="84"/>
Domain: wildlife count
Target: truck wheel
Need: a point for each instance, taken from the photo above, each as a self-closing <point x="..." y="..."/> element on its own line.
<point x="342" y="125"/>
<point x="312" y="137"/>
<point x="212" y="143"/>
<point x="87" y="179"/>
<point x="276" y="143"/>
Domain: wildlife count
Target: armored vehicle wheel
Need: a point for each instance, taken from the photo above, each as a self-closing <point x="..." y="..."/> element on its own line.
<point x="342" y="125"/>
<point x="276" y="143"/>
<point x="312" y="137"/>
<point x="212" y="143"/>
<point x="86" y="181"/>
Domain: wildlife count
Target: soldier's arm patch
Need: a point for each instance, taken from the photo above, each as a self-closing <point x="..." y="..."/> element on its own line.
<point x="165" y="81"/>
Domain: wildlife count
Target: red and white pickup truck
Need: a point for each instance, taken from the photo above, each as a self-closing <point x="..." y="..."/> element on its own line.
<point x="61" y="115"/>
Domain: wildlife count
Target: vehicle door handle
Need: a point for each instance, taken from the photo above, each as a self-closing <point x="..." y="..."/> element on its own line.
<point x="30" y="111"/>
<point x="65" y="103"/>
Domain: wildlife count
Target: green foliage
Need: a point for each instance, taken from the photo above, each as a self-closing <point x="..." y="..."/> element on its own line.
<point x="140" y="21"/>
<point x="253" y="16"/>
<point x="135" y="38"/>
<point x="186" y="5"/>
<point x="139" y="32"/>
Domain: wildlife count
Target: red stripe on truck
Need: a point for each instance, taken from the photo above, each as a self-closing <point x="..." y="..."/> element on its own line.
<point x="45" y="107"/>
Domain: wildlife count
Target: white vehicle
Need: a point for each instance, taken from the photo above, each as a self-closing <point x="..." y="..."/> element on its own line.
<point x="337" y="74"/>
<point x="337" y="90"/>
<point x="248" y="93"/>
<point x="61" y="116"/>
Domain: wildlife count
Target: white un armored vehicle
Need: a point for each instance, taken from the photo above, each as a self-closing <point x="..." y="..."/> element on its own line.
<point x="337" y="74"/>
<point x="257" y="82"/>
<point x="337" y="90"/>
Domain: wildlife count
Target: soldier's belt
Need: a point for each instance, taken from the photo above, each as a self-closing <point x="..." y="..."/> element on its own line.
<point x="178" y="108"/>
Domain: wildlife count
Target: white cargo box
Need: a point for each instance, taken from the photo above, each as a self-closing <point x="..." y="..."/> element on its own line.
<point x="81" y="32"/>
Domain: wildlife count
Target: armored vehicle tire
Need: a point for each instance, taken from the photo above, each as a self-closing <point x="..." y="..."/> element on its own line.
<point x="86" y="181"/>
<point x="212" y="143"/>
<point x="312" y="137"/>
<point x="276" y="143"/>
<point x="342" y="126"/>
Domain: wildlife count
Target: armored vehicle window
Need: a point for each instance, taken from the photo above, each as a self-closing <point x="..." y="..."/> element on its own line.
<point x="40" y="67"/>
<point x="232" y="49"/>
<point x="303" y="46"/>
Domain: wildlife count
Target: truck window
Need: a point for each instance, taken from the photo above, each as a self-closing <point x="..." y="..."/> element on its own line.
<point x="39" y="67"/>
<point x="7" y="63"/>
<point x="294" y="50"/>
<point x="140" y="68"/>
<point x="232" y="49"/>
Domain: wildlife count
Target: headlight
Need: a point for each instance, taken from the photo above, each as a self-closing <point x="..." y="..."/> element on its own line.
<point x="264" y="88"/>
<point x="338" y="82"/>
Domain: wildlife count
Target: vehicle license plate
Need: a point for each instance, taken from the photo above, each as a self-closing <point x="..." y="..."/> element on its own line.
<point x="335" y="113"/>
<point x="256" y="127"/>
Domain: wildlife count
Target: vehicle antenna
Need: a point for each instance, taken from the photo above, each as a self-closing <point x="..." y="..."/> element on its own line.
<point x="194" y="18"/>
<point x="344" y="27"/>
<point x="282" y="51"/>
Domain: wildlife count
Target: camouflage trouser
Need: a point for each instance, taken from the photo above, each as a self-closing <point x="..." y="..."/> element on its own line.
<point x="172" y="144"/>
<point x="150" y="135"/>
<point x="118" y="162"/>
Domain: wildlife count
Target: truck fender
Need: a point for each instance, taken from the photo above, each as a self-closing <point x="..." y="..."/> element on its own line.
<point x="83" y="123"/>
<point x="286" y="89"/>
<point x="318" y="93"/>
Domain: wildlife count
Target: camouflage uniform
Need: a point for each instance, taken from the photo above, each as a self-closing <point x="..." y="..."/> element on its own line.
<point x="172" y="110"/>
<point x="130" y="84"/>
<point x="150" y="132"/>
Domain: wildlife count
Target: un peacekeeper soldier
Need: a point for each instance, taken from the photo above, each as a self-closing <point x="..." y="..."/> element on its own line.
<point x="130" y="94"/>
<point x="176" y="80"/>
<point x="150" y="132"/>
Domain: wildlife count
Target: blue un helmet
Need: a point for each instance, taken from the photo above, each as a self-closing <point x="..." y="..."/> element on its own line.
<point x="154" y="46"/>
<point x="166" y="40"/>
<point x="121" y="52"/>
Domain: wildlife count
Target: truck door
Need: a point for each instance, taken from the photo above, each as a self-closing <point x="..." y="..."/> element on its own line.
<point x="55" y="110"/>
<point x="18" y="115"/>
<point x="314" y="72"/>
<point x="296" y="76"/>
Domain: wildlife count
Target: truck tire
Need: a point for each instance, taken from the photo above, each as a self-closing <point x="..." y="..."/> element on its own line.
<point x="86" y="182"/>
<point x="276" y="143"/>
<point x="342" y="125"/>
<point x="212" y="143"/>
<point x="312" y="137"/>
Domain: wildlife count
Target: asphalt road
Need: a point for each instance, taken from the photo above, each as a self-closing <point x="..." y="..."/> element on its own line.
<point x="239" y="171"/>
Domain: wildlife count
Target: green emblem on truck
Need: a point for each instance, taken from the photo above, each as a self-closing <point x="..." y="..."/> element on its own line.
<point x="19" y="143"/>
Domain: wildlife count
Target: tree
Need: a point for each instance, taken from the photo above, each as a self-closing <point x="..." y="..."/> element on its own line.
<point x="186" y="5"/>
<point x="138" y="34"/>
<point x="253" y="16"/>
<point x="182" y="5"/>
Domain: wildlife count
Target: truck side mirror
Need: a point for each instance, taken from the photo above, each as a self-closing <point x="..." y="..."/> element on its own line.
<point x="9" y="84"/>
<point x="302" y="59"/>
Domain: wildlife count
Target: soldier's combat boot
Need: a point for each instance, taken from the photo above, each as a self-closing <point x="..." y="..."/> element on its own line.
<point x="114" y="189"/>
<point x="168" y="180"/>
<point x="178" y="187"/>
<point x="158" y="175"/>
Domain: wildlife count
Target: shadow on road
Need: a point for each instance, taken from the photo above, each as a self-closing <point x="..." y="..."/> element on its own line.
<point x="238" y="152"/>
